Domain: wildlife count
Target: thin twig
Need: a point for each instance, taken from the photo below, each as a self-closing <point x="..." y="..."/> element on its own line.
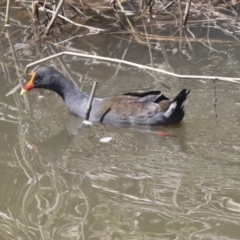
<point x="50" y="25"/>
<point x="220" y="78"/>
<point x="142" y="4"/>
<point x="165" y="56"/>
<point x="180" y="11"/>
<point x="15" y="59"/>
<point x="35" y="13"/>
<point x="129" y="23"/>
<point x="186" y="13"/>
<point x="89" y="106"/>
<point x="123" y="55"/>
<point x="151" y="3"/>
<point x="168" y="5"/>
<point x="68" y="20"/>
<point x="79" y="12"/>
<point x="7" y="13"/>
<point x="113" y="5"/>
<point x="215" y="98"/>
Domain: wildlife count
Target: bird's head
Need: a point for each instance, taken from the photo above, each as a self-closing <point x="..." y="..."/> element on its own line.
<point x="43" y="77"/>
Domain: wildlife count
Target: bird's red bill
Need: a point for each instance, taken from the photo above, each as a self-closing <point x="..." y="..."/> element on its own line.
<point x="30" y="84"/>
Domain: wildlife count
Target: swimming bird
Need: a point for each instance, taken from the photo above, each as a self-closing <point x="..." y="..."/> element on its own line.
<point x="134" y="108"/>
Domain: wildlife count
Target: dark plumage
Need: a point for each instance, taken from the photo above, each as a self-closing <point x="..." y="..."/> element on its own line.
<point x="144" y="108"/>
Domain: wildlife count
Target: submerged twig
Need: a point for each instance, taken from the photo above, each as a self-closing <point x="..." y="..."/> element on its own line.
<point x="215" y="98"/>
<point x="227" y="79"/>
<point x="123" y="55"/>
<point x="151" y="57"/>
<point x="16" y="63"/>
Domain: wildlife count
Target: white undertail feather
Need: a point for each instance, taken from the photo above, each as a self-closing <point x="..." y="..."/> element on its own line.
<point x="185" y="102"/>
<point x="170" y="110"/>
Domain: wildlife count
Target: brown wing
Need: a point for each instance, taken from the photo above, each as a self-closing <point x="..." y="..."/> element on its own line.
<point x="164" y="105"/>
<point x="128" y="109"/>
<point x="150" y="96"/>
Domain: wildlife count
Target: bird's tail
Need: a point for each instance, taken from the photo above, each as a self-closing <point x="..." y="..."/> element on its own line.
<point x="181" y="98"/>
<point x="178" y="102"/>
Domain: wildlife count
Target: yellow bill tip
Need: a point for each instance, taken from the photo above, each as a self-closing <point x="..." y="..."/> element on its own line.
<point x="23" y="91"/>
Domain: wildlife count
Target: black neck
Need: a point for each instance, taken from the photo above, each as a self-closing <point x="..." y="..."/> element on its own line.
<point x="75" y="99"/>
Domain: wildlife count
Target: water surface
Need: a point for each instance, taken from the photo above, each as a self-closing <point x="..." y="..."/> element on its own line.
<point x="58" y="181"/>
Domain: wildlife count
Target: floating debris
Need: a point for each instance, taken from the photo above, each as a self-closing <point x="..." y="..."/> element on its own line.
<point x="106" y="139"/>
<point x="87" y="122"/>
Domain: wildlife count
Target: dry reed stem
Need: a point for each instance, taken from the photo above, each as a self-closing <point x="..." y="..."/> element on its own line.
<point x="68" y="20"/>
<point x="7" y="13"/>
<point x="220" y="78"/>
<point x="180" y="12"/>
<point x="54" y="16"/>
<point x="128" y="21"/>
<point x="89" y="106"/>
<point x="186" y="13"/>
